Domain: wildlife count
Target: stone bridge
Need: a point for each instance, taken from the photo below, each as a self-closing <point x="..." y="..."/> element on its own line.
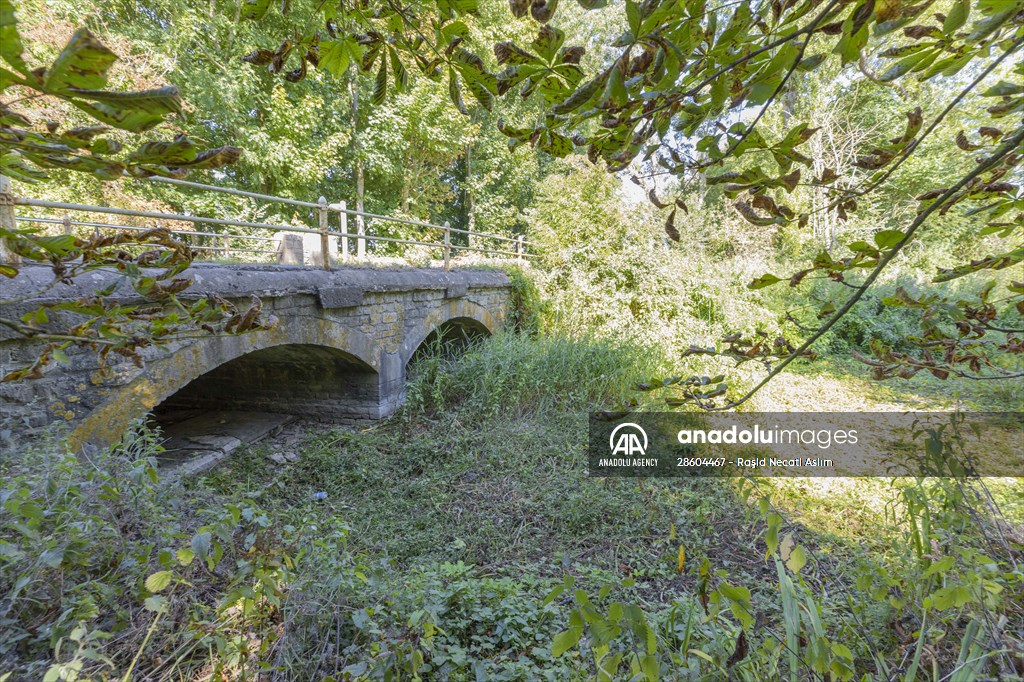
<point x="339" y="353"/>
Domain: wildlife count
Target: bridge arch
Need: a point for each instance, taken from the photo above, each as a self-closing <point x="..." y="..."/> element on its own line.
<point x="305" y="344"/>
<point x="461" y="317"/>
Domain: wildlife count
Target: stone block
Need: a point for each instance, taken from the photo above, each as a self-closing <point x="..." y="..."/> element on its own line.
<point x="456" y="290"/>
<point x="340" y="297"/>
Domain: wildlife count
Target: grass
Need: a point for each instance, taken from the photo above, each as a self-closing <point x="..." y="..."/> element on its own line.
<point x="425" y="544"/>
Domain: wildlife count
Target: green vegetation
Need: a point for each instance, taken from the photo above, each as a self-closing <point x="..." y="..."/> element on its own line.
<point x="782" y="173"/>
<point x="461" y="538"/>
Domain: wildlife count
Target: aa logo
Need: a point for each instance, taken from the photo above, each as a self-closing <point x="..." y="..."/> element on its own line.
<point x="629" y="440"/>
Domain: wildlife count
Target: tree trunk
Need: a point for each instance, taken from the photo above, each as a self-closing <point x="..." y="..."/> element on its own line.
<point x="470" y="218"/>
<point x="360" y="188"/>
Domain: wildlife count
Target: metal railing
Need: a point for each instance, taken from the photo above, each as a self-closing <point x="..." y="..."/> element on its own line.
<point x="285" y="251"/>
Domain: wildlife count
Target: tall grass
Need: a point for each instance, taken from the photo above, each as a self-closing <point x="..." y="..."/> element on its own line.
<point x="516" y="375"/>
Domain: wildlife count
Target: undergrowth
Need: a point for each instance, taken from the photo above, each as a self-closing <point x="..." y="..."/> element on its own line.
<point x="462" y="540"/>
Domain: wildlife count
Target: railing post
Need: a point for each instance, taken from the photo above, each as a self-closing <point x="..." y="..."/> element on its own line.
<point x="343" y="218"/>
<point x="7" y="220"/>
<point x="447" y="245"/>
<point x="325" y="250"/>
<point x="360" y="237"/>
<point x="66" y="224"/>
<point x="519" y="248"/>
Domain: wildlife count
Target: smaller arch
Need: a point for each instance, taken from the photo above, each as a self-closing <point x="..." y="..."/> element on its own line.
<point x="452" y="336"/>
<point x="459" y="319"/>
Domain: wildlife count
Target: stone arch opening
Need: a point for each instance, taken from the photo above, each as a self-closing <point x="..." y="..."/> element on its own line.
<point x="451" y="338"/>
<point x="298" y="379"/>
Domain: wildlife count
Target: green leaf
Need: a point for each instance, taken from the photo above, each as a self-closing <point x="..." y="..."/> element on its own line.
<point x="177" y="151"/>
<point x="957" y="16"/>
<point x="53" y="557"/>
<point x="554" y="594"/>
<point x="201" y="544"/>
<point x="903" y="66"/>
<point x="214" y="158"/>
<point x="254" y="9"/>
<point x="811" y="63"/>
<point x="401" y="75"/>
<point x="380" y="84"/>
<point x="455" y="93"/>
<point x="565" y="640"/>
<point x="615" y="94"/>
<point x="765" y="280"/>
<point x="548" y="41"/>
<point x="158" y="581"/>
<point x="887" y="239"/>
<point x="334" y="57"/>
<point x="83" y="64"/>
<point x="797" y="559"/>
<point x="185" y="556"/>
<point x="10" y="42"/>
<point x="479" y="90"/>
<point x="1003" y="89"/>
<point x="156" y="603"/>
<point x="134" y="111"/>
<point x="649" y="666"/>
<point x="633" y="16"/>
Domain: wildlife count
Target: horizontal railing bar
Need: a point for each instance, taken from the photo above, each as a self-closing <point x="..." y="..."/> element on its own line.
<point x="237" y="192"/>
<point x="79" y="223"/>
<point x="485" y="250"/>
<point x="55" y="221"/>
<point x="396" y="240"/>
<point x="159" y="216"/>
<point x="220" y="248"/>
<point x="406" y="221"/>
<point x="307" y="204"/>
<point x="39" y="203"/>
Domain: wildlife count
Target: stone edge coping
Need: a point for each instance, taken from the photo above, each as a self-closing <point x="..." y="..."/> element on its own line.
<point x="238" y="281"/>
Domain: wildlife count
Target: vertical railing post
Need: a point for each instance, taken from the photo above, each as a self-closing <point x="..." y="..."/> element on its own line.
<point x="519" y="248"/>
<point x="7" y="221"/>
<point x="343" y="218"/>
<point x="65" y="223"/>
<point x="360" y="237"/>
<point x="447" y="245"/>
<point x="325" y="251"/>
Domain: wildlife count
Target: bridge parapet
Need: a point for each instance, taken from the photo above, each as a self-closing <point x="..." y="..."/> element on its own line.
<point x="339" y="352"/>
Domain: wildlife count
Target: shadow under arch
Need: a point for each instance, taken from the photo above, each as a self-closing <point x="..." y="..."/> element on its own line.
<point x="175" y="369"/>
<point x="457" y="324"/>
<point x="300" y="379"/>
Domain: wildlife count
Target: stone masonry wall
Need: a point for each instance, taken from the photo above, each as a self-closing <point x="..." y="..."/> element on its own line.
<point x="340" y="349"/>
